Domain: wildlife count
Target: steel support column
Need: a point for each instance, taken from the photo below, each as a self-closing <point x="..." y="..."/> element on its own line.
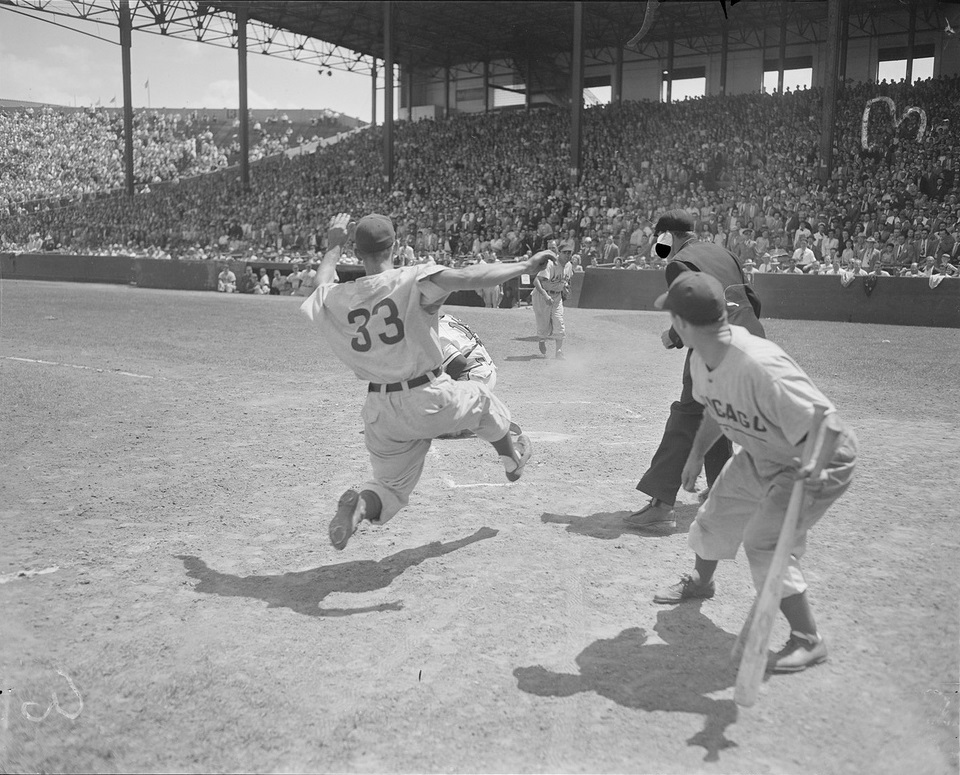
<point x="408" y="71"/>
<point x="670" y="67"/>
<point x="244" y="112"/>
<point x="617" y="96"/>
<point x="576" y="93"/>
<point x="528" y="91"/>
<point x="829" y="107"/>
<point x="388" y="93"/>
<point x="782" y="58"/>
<point x="373" y="93"/>
<point x="911" y="41"/>
<point x="446" y="92"/>
<point x="126" y="34"/>
<point x="724" y="52"/>
<point x="844" y="37"/>
<point x="486" y="86"/>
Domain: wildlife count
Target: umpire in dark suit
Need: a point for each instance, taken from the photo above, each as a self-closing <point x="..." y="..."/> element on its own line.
<point x="677" y="241"/>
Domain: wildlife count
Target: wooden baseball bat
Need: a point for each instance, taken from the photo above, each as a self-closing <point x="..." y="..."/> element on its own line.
<point x="808" y="448"/>
<point x="755" y="634"/>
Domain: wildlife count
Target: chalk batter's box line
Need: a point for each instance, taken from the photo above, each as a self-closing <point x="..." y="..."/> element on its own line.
<point x="77" y="366"/>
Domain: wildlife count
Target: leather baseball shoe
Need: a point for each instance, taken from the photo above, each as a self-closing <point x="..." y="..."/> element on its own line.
<point x="655" y="515"/>
<point x="543" y="347"/>
<point x="687" y="589"/>
<point x="350" y="512"/>
<point x="800" y="652"/>
<point x="524" y="449"/>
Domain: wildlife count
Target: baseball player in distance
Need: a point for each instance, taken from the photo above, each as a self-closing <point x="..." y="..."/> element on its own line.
<point x="677" y="240"/>
<point x="760" y="399"/>
<point x="384" y="327"/>
<point x="465" y="357"/>
<point x="547" y="303"/>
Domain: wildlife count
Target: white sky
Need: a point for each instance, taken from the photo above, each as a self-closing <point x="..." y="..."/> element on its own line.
<point x="41" y="62"/>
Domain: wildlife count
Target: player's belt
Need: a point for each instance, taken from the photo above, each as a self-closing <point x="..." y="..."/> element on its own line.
<point x="393" y="387"/>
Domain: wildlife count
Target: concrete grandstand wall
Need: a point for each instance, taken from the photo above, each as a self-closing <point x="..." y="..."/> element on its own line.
<point x="900" y="301"/>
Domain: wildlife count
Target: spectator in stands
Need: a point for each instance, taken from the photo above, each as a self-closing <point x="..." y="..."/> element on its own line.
<point x="803" y="256"/>
<point x="945" y="267"/>
<point x="276" y="284"/>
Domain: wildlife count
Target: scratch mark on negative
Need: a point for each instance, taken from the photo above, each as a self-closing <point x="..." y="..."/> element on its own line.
<point x="76" y="366"/>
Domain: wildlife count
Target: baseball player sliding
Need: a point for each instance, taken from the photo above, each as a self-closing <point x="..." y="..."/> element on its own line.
<point x="761" y="400"/>
<point x="384" y="327"/>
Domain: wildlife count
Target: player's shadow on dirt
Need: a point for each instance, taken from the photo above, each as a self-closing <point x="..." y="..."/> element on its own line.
<point x="526" y="339"/>
<point x="303" y="591"/>
<point x="608" y="525"/>
<point x="534" y="357"/>
<point x="675" y="676"/>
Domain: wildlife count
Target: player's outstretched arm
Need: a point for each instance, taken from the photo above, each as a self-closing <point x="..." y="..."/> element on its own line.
<point x="472" y="278"/>
<point x="336" y="238"/>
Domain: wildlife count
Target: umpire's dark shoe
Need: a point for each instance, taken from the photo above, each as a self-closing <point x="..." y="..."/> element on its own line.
<point x="350" y="511"/>
<point x="800" y="652"/>
<point x="688" y="589"/>
<point x="543" y="347"/>
<point x="656" y="515"/>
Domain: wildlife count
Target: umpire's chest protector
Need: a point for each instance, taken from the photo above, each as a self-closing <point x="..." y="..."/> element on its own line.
<point x="721" y="264"/>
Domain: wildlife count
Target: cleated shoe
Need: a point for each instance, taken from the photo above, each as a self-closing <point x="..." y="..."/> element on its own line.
<point x="543" y="347"/>
<point x="800" y="652"/>
<point x="349" y="515"/>
<point x="561" y="356"/>
<point x="687" y="589"/>
<point x="655" y="515"/>
<point x="515" y="429"/>
<point x="524" y="449"/>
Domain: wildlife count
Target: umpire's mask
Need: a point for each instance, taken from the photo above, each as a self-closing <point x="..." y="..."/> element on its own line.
<point x="664" y="244"/>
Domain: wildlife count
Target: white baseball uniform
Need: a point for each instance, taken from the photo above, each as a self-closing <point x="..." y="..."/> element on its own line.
<point x="549" y="314"/>
<point x="384" y="327"/>
<point x="457" y="338"/>
<point x="763" y="402"/>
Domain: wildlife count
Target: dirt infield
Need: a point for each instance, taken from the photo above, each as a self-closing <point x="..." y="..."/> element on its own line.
<point x="169" y="465"/>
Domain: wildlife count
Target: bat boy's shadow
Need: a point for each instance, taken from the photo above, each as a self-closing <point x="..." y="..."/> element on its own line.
<point x="303" y="591"/>
<point x="608" y="525"/>
<point x="675" y="676"/>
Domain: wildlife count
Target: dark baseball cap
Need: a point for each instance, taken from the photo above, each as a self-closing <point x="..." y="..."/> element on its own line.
<point x="374" y="233"/>
<point x="675" y="220"/>
<point x="696" y="297"/>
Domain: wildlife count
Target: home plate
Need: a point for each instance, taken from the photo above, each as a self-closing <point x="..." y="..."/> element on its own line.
<point x="546" y="436"/>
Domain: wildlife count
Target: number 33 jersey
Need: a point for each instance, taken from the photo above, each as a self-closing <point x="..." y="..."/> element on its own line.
<point x="383" y="326"/>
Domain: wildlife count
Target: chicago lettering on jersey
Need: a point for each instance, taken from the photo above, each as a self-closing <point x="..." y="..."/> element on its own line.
<point x="728" y="412"/>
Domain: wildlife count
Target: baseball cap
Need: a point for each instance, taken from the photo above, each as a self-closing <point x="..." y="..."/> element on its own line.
<point x="694" y="296"/>
<point x="374" y="233"/>
<point x="675" y="220"/>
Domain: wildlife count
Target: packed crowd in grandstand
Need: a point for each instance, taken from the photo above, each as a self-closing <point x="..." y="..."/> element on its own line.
<point x="745" y="166"/>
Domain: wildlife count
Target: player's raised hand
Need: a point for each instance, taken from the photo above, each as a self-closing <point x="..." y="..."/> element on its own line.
<point x="338" y="229"/>
<point x="539" y="260"/>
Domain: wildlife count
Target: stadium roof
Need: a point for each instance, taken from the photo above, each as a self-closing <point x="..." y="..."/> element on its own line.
<point x="431" y="34"/>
